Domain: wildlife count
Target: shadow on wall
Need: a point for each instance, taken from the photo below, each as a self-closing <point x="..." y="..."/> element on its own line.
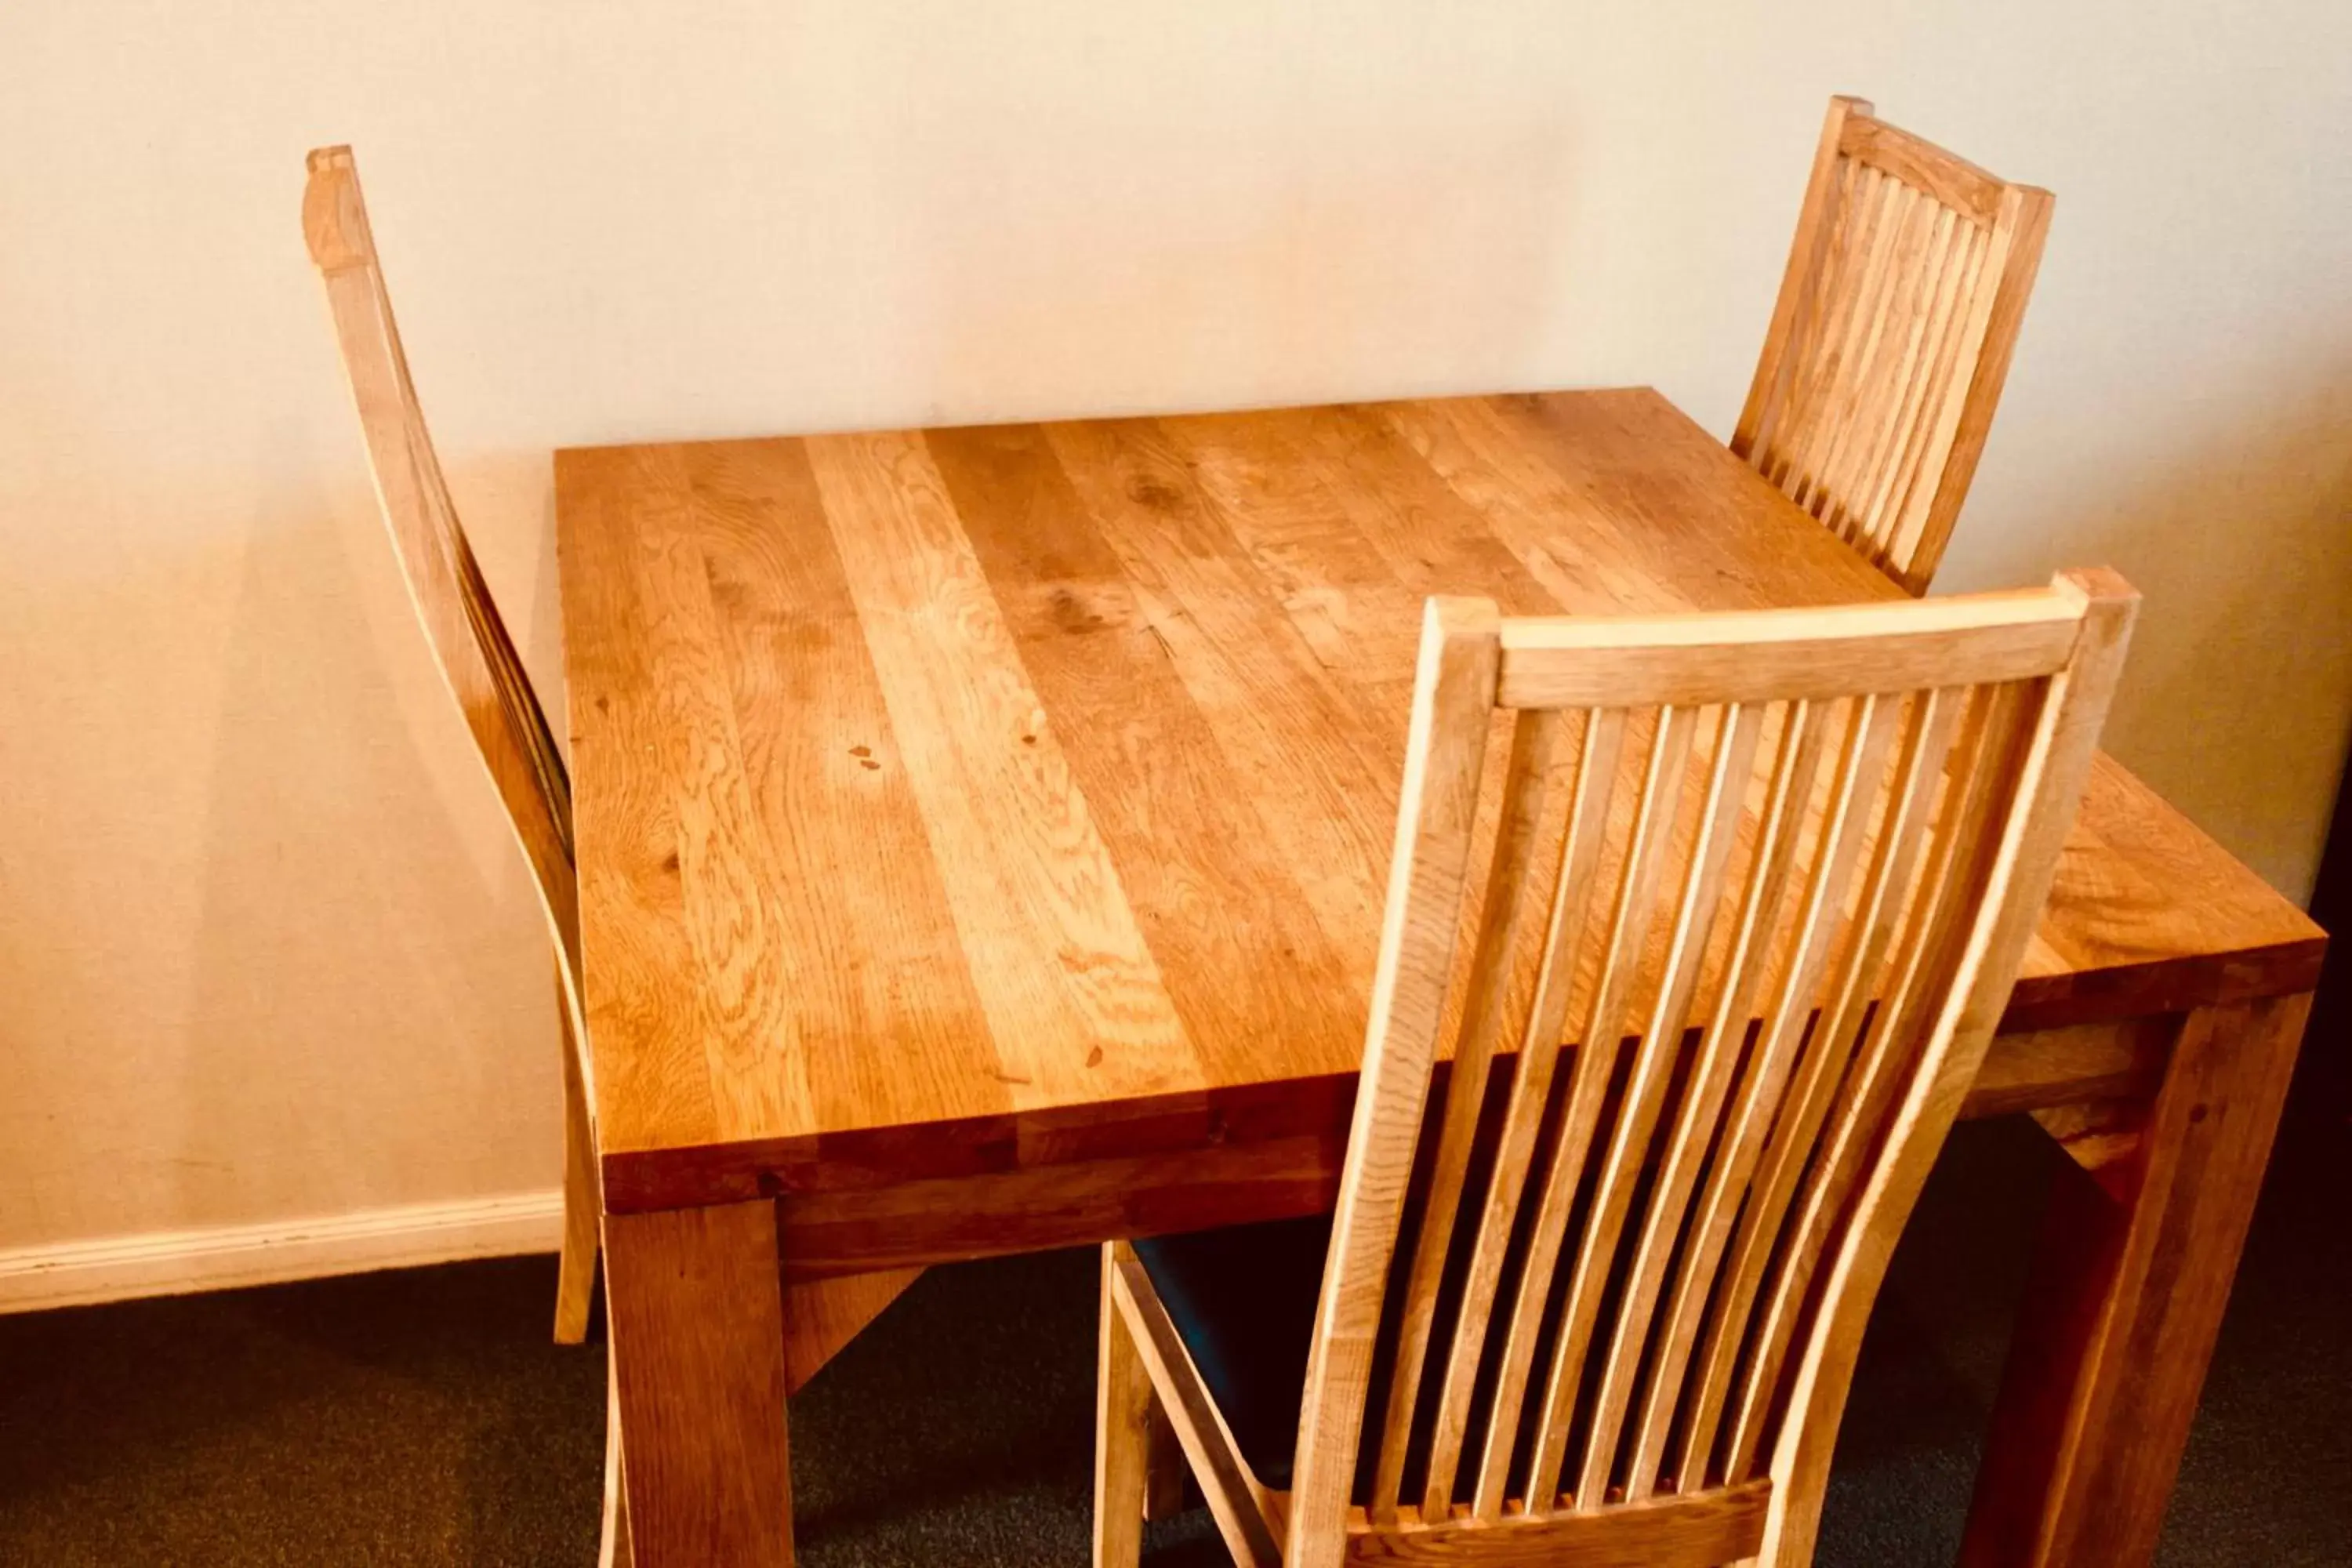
<point x="369" y="964"/>
<point x="2240" y="539"/>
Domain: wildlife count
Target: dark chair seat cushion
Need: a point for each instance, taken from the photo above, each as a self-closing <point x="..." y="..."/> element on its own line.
<point x="1243" y="1298"/>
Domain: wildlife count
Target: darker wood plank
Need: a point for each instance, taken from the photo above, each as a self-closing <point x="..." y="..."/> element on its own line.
<point x="1039" y="1208"/>
<point x="2072" y="1065"/>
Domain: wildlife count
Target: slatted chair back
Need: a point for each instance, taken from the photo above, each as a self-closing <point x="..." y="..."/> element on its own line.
<point x="469" y="640"/>
<point x="1757" y="890"/>
<point x="1906" y="286"/>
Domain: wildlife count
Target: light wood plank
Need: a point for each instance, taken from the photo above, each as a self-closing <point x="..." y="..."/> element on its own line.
<point x="1055" y="947"/>
<point x="854" y="913"/>
<point x="1185" y="830"/>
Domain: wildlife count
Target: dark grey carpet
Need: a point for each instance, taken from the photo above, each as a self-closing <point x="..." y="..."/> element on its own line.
<point x="422" y="1417"/>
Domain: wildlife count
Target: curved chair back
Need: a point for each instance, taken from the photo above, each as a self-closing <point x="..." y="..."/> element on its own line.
<point x="1891" y="339"/>
<point x="469" y="639"/>
<point x="1757" y="890"/>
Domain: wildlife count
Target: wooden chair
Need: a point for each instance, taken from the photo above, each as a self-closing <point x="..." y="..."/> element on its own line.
<point x="512" y="733"/>
<point x="1892" y="336"/>
<point x="1791" y="860"/>
<point x="477" y="658"/>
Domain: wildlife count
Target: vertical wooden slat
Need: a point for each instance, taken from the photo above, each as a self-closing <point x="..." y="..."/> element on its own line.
<point x="1805" y="363"/>
<point x="1914" y="489"/>
<point x="1940" y="278"/>
<point x="1781" y="832"/>
<point x="1839" y="346"/>
<point x="1888" y="900"/>
<point x="1891" y="265"/>
<point x="1437" y="812"/>
<point x="1843" y="831"/>
<point x="1508" y="895"/>
<point x="1596" y="1052"/>
<point x="1703" y="900"/>
<point x="1620" y="1160"/>
<point x="1862" y="428"/>
<point x="1945" y="899"/>
<point x="1885" y="450"/>
<point x="1806" y="248"/>
<point x="2020" y="229"/>
<point x="1539" y="1046"/>
<point x="1596" y="788"/>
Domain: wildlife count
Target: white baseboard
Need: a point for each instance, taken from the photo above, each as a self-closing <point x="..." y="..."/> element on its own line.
<point x="172" y="1262"/>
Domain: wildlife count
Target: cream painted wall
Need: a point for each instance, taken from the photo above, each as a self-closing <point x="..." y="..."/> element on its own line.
<point x="264" y="949"/>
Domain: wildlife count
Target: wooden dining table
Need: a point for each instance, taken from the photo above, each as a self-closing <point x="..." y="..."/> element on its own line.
<point x="982" y="834"/>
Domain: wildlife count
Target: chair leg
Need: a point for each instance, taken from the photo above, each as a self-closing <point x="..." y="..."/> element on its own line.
<point x="575" y="1277"/>
<point x="1165" y="1469"/>
<point x="1123" y="1400"/>
<point x="613" y="1542"/>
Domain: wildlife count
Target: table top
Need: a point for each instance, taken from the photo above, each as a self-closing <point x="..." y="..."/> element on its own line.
<point x="1044" y="771"/>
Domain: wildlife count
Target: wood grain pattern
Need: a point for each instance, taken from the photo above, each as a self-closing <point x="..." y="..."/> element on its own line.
<point x="1208" y="779"/>
<point x="699" y="1359"/>
<point x="1704" y="1531"/>
<point x="1898" y="313"/>
<point x="1124" y="1403"/>
<point x="2131" y="1280"/>
<point x="1037" y="898"/>
<point x="1232" y="564"/>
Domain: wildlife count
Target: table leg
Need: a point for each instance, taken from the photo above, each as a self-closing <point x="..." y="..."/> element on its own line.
<point x="612" y="1538"/>
<point x="1165" y="1469"/>
<point x="696" y="1312"/>
<point x="2129" y="1283"/>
